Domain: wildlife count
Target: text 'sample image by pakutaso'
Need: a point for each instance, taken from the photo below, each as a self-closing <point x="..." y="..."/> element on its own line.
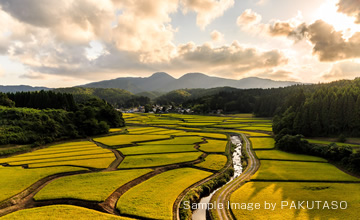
<point x="179" y="109"/>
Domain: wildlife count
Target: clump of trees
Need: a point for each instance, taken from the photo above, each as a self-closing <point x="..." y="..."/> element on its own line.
<point x="48" y="121"/>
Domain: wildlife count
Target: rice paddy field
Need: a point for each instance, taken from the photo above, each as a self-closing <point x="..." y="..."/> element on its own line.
<point x="154" y="160"/>
<point x="283" y="193"/>
<point x="213" y="162"/>
<point x="60" y="212"/>
<point x="90" y="186"/>
<point x="130" y="168"/>
<point x="86" y="154"/>
<point x="262" y="143"/>
<point x="155" y="197"/>
<point x="300" y="171"/>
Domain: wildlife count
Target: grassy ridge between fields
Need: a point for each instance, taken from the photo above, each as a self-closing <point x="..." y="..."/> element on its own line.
<point x="155" y="197"/>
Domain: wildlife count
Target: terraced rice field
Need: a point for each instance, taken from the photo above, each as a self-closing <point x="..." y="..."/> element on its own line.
<point x="154" y="160"/>
<point x="176" y="141"/>
<point x="16" y="179"/>
<point x="154" y="149"/>
<point x="213" y="162"/>
<point x="262" y="143"/>
<point x="126" y="139"/>
<point x="300" y="171"/>
<point x="85" y="154"/>
<point x="213" y="146"/>
<point x="276" y="192"/>
<point x="60" y="212"/>
<point x="155" y="197"/>
<point x="90" y="186"/>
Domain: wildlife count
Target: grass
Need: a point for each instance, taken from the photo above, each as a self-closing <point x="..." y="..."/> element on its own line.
<point x="257" y="128"/>
<point x="281" y="155"/>
<point x="214" y="146"/>
<point x="16" y="179"/>
<point x="195" y="124"/>
<point x="213" y="162"/>
<point x="128" y="139"/>
<point x="155" y="197"/>
<point x="249" y="133"/>
<point x="151" y="149"/>
<point x="262" y="143"/>
<point x="176" y="141"/>
<point x="324" y="142"/>
<point x="60" y="212"/>
<point x="90" y="186"/>
<point x="297" y="171"/>
<point x="112" y="130"/>
<point x="153" y="160"/>
<point x="259" y="192"/>
<point x="73" y="154"/>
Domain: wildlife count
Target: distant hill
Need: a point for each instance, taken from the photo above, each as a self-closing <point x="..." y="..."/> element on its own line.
<point x="21" y="88"/>
<point x="117" y="97"/>
<point x="163" y="82"/>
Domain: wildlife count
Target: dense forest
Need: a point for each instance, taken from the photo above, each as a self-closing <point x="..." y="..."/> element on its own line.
<point x="119" y="98"/>
<point x="42" y="117"/>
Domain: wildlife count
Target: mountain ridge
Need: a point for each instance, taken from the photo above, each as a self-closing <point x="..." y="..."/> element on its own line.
<point x="163" y="82"/>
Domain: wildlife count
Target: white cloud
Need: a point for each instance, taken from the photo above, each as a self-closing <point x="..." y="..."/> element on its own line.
<point x="206" y="10"/>
<point x="216" y="36"/>
<point x="343" y="70"/>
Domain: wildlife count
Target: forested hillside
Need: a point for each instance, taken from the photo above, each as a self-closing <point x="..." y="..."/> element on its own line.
<point x="43" y="117"/>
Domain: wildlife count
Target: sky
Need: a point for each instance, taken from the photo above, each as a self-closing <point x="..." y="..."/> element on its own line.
<point x="72" y="42"/>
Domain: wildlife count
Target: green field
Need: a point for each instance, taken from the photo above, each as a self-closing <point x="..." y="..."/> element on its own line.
<point x="211" y="135"/>
<point x="85" y="154"/>
<point x="213" y="162"/>
<point x="259" y="192"/>
<point x="255" y="128"/>
<point x="291" y="170"/>
<point x="155" y="197"/>
<point x="324" y="142"/>
<point x="262" y="143"/>
<point x="16" y="179"/>
<point x="151" y="149"/>
<point x="281" y="155"/>
<point x="214" y="146"/>
<point x="153" y="160"/>
<point x="90" y="186"/>
<point x="176" y="141"/>
<point x="255" y="134"/>
<point x="125" y="139"/>
<point x="60" y="212"/>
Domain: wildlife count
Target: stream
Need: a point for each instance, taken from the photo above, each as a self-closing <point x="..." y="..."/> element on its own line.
<point x="200" y="214"/>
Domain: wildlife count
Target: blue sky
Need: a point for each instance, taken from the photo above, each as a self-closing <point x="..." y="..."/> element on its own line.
<point x="71" y="42"/>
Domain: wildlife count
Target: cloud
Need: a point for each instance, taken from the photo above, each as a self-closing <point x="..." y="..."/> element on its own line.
<point x="216" y="36"/>
<point x="233" y="59"/>
<point x="32" y="76"/>
<point x="350" y="8"/>
<point x="248" y="17"/>
<point x="330" y="45"/>
<point x="343" y="70"/>
<point x="282" y="75"/>
<point x="206" y="10"/>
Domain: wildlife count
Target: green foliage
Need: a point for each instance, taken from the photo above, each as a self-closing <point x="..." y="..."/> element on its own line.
<point x="117" y="97"/>
<point x="5" y="101"/>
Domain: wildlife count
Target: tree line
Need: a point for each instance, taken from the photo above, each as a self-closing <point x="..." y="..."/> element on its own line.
<point x="28" y="120"/>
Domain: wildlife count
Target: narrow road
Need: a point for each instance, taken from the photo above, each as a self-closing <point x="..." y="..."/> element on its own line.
<point x="223" y="196"/>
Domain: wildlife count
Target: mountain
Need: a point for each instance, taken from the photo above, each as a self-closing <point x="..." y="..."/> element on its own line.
<point x="163" y="82"/>
<point x="21" y="88"/>
<point x="135" y="84"/>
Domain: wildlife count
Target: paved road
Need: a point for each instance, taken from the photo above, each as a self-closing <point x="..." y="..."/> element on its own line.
<point x="224" y="194"/>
